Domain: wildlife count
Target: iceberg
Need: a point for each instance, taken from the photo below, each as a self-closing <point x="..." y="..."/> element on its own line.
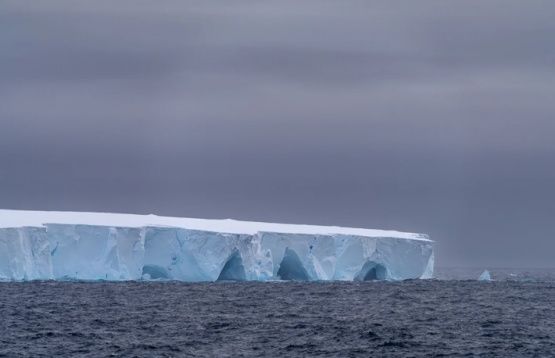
<point x="485" y="276"/>
<point x="39" y="245"/>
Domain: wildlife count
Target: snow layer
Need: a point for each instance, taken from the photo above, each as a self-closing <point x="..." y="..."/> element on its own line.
<point x="93" y="246"/>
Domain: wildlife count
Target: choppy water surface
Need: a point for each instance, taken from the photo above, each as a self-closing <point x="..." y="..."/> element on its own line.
<point x="513" y="316"/>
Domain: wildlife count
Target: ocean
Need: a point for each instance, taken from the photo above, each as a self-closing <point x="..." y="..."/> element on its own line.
<point x="454" y="315"/>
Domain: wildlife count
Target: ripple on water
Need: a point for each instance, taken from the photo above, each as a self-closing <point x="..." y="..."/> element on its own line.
<point x="505" y="318"/>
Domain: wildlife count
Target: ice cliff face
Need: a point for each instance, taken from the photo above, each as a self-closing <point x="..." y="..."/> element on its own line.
<point x="24" y="254"/>
<point x="95" y="252"/>
<point x="86" y="246"/>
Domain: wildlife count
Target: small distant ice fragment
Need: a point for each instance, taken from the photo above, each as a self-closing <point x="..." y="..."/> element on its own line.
<point x="485" y="276"/>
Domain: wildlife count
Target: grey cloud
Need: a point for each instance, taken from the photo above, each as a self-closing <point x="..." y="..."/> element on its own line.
<point x="429" y="116"/>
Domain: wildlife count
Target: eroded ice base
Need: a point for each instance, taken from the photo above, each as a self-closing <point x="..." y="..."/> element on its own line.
<point x="66" y="250"/>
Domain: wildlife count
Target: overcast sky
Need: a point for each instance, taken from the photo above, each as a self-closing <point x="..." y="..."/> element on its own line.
<point x="434" y="117"/>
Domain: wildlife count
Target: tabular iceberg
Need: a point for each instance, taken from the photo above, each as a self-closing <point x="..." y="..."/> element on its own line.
<point x="98" y="246"/>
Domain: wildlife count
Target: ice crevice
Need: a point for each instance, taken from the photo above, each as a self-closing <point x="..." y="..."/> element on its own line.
<point x="291" y="268"/>
<point x="372" y="271"/>
<point x="233" y="269"/>
<point x="154" y="272"/>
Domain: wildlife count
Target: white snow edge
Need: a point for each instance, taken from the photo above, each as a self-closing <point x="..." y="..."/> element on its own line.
<point x="24" y="218"/>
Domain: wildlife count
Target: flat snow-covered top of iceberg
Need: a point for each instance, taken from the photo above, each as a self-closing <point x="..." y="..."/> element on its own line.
<point x="21" y="218"/>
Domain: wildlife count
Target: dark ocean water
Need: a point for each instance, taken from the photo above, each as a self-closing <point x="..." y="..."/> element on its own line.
<point x="513" y="316"/>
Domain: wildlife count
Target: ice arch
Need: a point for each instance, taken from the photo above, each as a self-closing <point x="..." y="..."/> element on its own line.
<point x="233" y="269"/>
<point x="291" y="267"/>
<point x="155" y="272"/>
<point x="372" y="271"/>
